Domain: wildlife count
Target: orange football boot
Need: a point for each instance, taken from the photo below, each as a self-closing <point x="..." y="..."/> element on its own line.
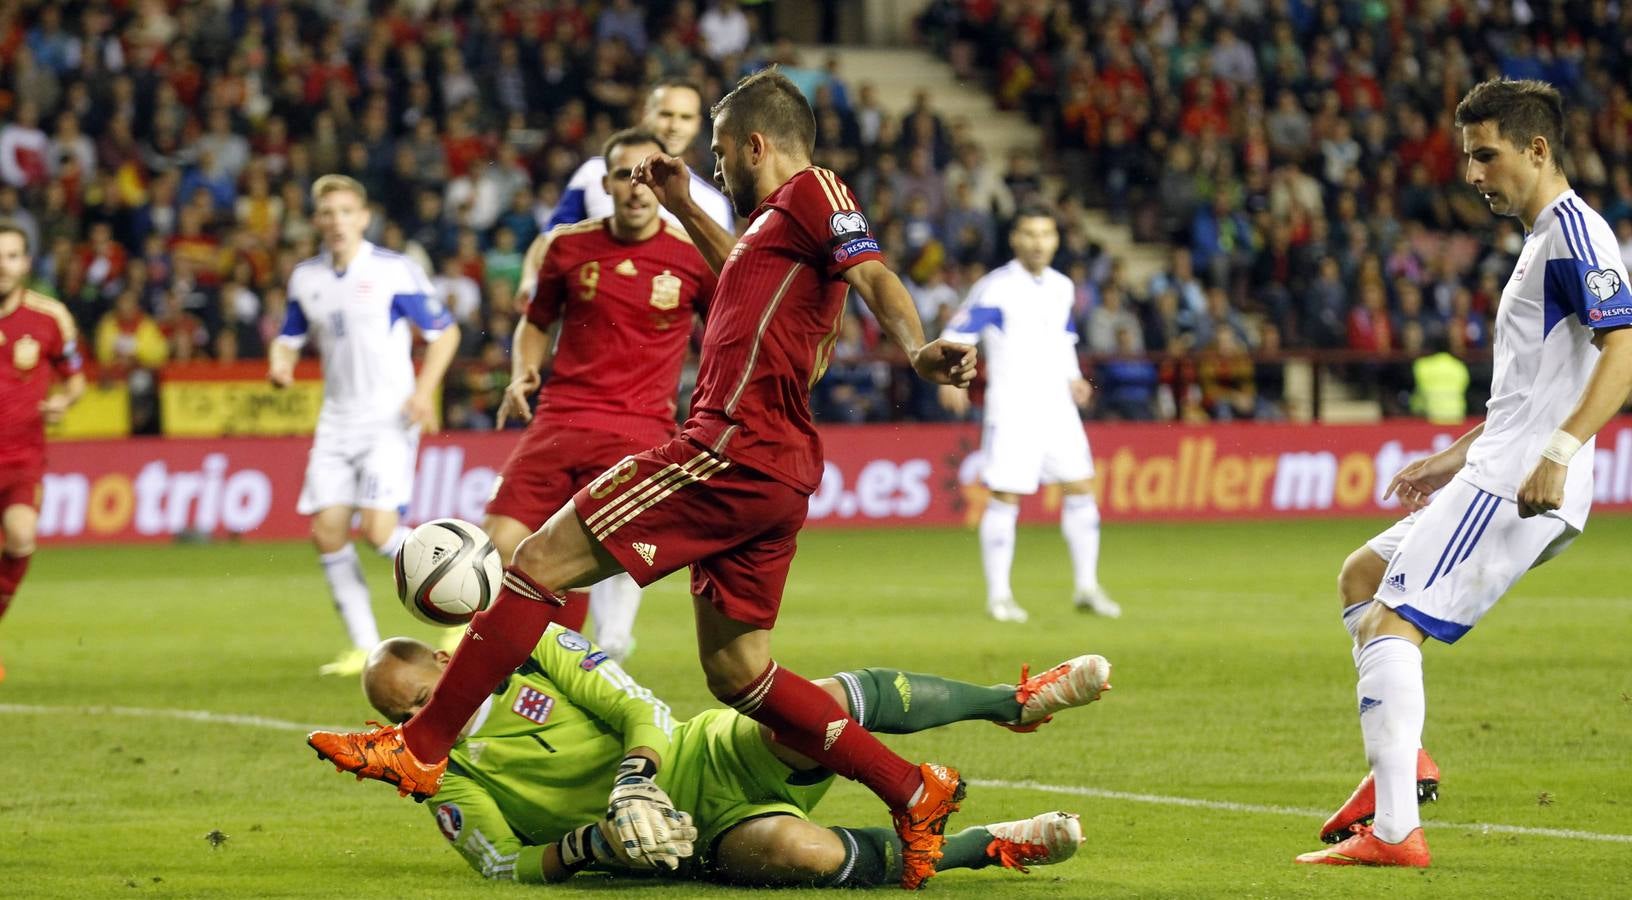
<point x="1361" y="806"/>
<point x="381" y="755"/>
<point x="922" y="827"/>
<point x="1076" y="682"/>
<point x="1363" y="848"/>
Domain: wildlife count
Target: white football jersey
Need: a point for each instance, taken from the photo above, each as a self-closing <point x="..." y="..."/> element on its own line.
<point x="1568" y="283"/>
<point x="1027" y="338"/>
<point x="586" y="198"/>
<point x="360" y="318"/>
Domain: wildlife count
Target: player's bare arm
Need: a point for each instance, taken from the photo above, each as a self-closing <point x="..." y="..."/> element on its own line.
<point x="1605" y="394"/>
<point x="1082" y="391"/>
<point x="1415" y="483"/>
<point x="670" y="181"/>
<point x="56" y="406"/>
<point x="280" y="367"/>
<point x="421" y="407"/>
<point x="531" y="262"/>
<point x="939" y="361"/>
<point x="529" y="352"/>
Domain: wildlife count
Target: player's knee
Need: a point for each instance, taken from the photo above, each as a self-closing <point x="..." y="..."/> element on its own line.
<point x="326" y="537"/>
<point x="805" y="852"/>
<point x="1360" y="576"/>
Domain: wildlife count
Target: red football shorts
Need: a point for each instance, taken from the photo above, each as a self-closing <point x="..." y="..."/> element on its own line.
<point x="678" y="505"/>
<point x="548" y="464"/>
<point x="20" y="484"/>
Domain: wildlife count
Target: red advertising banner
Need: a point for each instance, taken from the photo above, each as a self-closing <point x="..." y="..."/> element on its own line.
<point x="877" y="475"/>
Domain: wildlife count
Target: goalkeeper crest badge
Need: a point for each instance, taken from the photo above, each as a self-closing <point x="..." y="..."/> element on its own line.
<point x="450" y="820"/>
<point x="533" y="705"/>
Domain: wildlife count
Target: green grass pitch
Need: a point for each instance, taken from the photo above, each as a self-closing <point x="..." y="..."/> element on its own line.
<point x="1233" y="686"/>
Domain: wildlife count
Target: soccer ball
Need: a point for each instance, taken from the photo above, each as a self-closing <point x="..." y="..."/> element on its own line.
<point x="447" y="571"/>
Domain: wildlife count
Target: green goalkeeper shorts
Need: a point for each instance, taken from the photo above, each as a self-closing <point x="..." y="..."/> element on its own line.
<point x="722" y="773"/>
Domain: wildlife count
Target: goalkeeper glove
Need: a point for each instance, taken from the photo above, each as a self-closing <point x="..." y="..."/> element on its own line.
<point x="652" y="831"/>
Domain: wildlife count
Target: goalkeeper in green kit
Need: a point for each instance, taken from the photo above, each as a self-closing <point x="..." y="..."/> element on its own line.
<point x="525" y="797"/>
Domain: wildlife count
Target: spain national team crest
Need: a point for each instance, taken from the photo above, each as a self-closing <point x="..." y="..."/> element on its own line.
<point x="665" y="291"/>
<point x="25" y="354"/>
<point x="533" y="705"/>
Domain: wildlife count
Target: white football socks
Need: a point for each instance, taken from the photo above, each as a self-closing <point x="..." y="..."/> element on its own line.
<point x="1351" y="621"/>
<point x="351" y="599"/>
<point x="613" y="604"/>
<point x="1079" y="520"/>
<point x="1392" y="709"/>
<point x="394" y="542"/>
<point x="997" y="547"/>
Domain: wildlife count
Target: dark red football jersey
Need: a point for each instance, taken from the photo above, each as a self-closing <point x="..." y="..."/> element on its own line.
<point x="38" y="344"/>
<point x="772" y="327"/>
<point x="626" y="315"/>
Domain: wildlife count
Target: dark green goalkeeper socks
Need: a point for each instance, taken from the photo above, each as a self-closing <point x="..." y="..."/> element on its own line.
<point x="872" y="856"/>
<point x="889" y="701"/>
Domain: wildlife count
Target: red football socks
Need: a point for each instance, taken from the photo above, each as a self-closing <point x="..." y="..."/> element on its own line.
<point x="575" y="613"/>
<point x="497" y="640"/>
<point x="12" y="569"/>
<point x="805" y="719"/>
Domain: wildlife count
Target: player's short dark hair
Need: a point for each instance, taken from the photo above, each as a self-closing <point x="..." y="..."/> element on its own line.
<point x="769" y="103"/>
<point x="629" y="137"/>
<point x="676" y="81"/>
<point x="1033" y="211"/>
<point x="7" y="227"/>
<point x="1521" y="109"/>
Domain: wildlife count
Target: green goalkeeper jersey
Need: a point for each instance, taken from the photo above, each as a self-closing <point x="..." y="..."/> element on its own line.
<point x="542" y="754"/>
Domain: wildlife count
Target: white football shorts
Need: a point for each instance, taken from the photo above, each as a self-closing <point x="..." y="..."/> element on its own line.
<point x="1019" y="456"/>
<point x="1449" y="563"/>
<point x="363" y="469"/>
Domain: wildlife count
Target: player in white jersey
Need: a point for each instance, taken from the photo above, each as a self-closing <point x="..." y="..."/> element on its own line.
<point x="1510" y="494"/>
<point x="674" y="113"/>
<point x="361" y="302"/>
<point x="1020" y="314"/>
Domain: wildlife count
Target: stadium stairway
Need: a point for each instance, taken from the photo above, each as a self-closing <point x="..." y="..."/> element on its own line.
<point x="898" y="73"/>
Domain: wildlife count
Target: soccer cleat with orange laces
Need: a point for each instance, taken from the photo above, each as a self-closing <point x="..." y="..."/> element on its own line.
<point x="1075" y="682"/>
<point x="1363" y="848"/>
<point x="922" y="827"/>
<point x="1041" y="840"/>
<point x="381" y="755"/>
<point x="1361" y="806"/>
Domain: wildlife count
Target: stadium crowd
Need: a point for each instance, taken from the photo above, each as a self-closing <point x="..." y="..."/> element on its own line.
<point x="1299" y="157"/>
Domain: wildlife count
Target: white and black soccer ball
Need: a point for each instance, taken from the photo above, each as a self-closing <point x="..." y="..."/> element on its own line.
<point x="447" y="571"/>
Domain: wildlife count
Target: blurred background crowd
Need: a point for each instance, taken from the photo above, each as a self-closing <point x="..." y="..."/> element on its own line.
<point x="1297" y="158"/>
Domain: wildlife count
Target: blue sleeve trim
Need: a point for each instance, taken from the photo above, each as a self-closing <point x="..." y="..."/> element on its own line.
<point x="570" y="211"/>
<point x="1597" y="298"/>
<point x="294" y="320"/>
<point x="423" y="310"/>
<point x="1583" y="240"/>
<point x="975" y="318"/>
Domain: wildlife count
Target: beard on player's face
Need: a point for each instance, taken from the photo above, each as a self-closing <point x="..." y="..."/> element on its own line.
<point x="739" y="186"/>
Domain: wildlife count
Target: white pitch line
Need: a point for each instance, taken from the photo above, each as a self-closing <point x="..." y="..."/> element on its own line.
<point x="203" y="715"/>
<point x="190" y="715"/>
<point x="1231" y="806"/>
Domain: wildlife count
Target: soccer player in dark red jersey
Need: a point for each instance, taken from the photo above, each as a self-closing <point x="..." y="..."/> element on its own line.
<point x="727" y="497"/>
<point x="624" y="290"/>
<point x="38" y="347"/>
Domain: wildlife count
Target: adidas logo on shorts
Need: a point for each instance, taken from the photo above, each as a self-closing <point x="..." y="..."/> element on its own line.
<point x="647" y="552"/>
<point x="1397" y="581"/>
